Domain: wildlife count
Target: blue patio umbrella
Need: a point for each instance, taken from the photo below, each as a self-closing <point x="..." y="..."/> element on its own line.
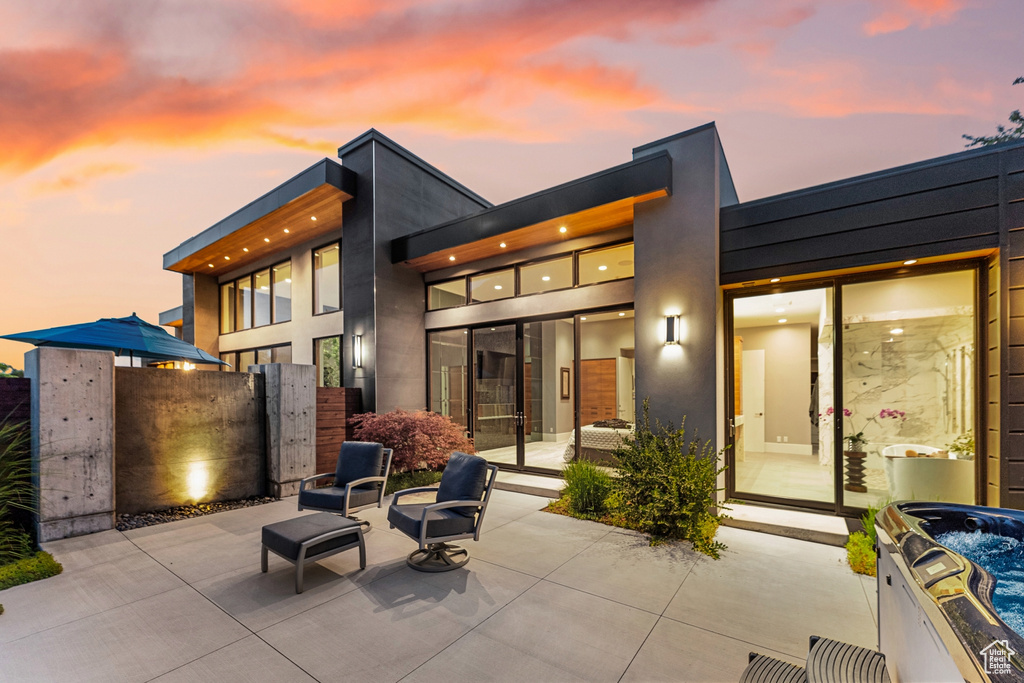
<point x="131" y="336"/>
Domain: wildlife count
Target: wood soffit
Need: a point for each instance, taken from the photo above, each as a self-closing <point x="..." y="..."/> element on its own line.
<point x="597" y="219"/>
<point x="278" y="230"/>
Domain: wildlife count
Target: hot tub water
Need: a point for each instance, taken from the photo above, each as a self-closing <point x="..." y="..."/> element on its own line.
<point x="1003" y="558"/>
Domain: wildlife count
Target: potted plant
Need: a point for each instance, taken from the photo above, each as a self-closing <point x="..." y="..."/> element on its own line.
<point x="857" y="443"/>
<point x="962" y="446"/>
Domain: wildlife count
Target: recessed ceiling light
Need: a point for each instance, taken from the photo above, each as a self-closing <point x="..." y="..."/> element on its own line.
<point x="622" y="315"/>
<point x="546" y="278"/>
<point x="211" y="265"/>
<point x="287" y="279"/>
<point x="497" y="286"/>
<point x="583" y="317"/>
<point x="286" y="229"/>
<point x="910" y="262"/>
<point x="775" y="279"/>
<point x="312" y="218"/>
<point x="266" y="239"/>
<point x="780" y="310"/>
<point x="896" y="330"/>
<point x="245" y="249"/>
<point x="561" y="229"/>
<point x="602" y="267"/>
<point x="502" y="245"/>
<point x="867" y="353"/>
<point x="492" y="329"/>
<point x="451" y="258"/>
<point x="782" y="320"/>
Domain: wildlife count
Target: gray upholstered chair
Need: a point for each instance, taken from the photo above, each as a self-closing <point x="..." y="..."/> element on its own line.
<point x="458" y="512"/>
<point x="359" y="481"/>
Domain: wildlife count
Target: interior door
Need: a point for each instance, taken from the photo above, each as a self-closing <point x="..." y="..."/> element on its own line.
<point x="753" y="400"/>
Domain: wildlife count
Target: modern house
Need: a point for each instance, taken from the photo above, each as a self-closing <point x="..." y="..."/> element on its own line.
<point x="888" y="306"/>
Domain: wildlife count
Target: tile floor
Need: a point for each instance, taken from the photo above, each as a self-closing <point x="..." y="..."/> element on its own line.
<point x="545" y="598"/>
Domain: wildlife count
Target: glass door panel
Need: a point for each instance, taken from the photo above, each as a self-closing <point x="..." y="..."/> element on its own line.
<point x="494" y="393"/>
<point x="448" y="373"/>
<point x="782" y="394"/>
<point x="908" y="389"/>
<point x="548" y="415"/>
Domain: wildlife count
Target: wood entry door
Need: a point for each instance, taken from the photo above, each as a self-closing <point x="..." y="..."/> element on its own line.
<point x="597" y="390"/>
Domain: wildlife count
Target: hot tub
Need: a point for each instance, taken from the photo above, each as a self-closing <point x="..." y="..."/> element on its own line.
<point x="936" y="618"/>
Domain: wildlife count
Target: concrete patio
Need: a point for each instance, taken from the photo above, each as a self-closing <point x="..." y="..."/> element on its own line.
<point x="545" y="598"/>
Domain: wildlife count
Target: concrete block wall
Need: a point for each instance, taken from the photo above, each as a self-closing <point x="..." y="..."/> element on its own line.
<point x="291" y="425"/>
<point x="72" y="440"/>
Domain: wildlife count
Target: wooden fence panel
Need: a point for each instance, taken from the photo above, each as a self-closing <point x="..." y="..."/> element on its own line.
<point x="334" y="407"/>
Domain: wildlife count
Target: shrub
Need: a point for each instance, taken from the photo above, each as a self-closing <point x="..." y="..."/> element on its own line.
<point x="666" y="485"/>
<point x="860" y="553"/>
<point x="38" y="566"/>
<point x="420" y="439"/>
<point x="15" y="491"/>
<point x="409" y="480"/>
<point x="587" y="487"/>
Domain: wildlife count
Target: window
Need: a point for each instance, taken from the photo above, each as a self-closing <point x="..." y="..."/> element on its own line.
<point x="227" y="308"/>
<point x="603" y="265"/>
<point x="282" y="284"/>
<point x="446" y="294"/>
<point x="327" y="358"/>
<point x="241" y="360"/>
<point x="261" y="296"/>
<point x="327" y="279"/>
<point x="493" y="286"/>
<point x="243" y="304"/>
<point x="546" y="276"/>
<point x="257" y="299"/>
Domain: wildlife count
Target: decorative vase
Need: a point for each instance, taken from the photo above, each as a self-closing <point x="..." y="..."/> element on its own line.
<point x="855" y="471"/>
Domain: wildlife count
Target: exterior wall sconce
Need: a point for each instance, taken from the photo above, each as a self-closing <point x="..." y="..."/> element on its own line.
<point x="357" y="351"/>
<point x="671" y="329"/>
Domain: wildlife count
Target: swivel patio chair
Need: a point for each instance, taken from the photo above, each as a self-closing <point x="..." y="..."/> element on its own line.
<point x="457" y="513"/>
<point x="359" y="481"/>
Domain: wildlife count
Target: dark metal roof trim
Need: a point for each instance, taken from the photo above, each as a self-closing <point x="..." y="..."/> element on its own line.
<point x="374" y="135"/>
<point x="638" y="177"/>
<point x="324" y="172"/>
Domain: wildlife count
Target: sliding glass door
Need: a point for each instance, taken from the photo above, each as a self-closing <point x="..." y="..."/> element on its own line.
<point x="855" y="392"/>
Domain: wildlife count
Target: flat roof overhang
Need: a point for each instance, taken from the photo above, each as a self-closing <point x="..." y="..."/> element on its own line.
<point x="594" y="203"/>
<point x="259" y="229"/>
<point x="172" y="317"/>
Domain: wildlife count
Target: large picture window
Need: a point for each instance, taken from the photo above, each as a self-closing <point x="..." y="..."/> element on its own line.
<point x="327" y="279"/>
<point x="257" y="299"/>
<point x="327" y="358"/>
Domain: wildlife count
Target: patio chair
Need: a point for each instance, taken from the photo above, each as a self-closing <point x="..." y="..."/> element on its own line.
<point x="458" y="512"/>
<point x="359" y="481"/>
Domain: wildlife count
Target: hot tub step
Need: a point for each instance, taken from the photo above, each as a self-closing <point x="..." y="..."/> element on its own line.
<point x="831" y="661"/>
<point x="765" y="669"/>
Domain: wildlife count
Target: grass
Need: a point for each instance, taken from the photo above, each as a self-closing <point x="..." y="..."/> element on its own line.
<point x="399" y="481"/>
<point x="38" y="566"/>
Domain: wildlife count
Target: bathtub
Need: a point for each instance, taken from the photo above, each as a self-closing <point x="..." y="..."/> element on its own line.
<point x="936" y="620"/>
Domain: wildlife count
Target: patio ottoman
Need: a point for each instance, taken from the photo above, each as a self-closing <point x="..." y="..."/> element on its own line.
<point x="310" y="538"/>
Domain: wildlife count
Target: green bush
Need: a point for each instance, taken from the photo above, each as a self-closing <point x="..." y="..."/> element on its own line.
<point x="399" y="481"/>
<point x="860" y="553"/>
<point x="38" y="566"/>
<point x="587" y="487"/>
<point x="666" y="485"/>
<point x="15" y="491"/>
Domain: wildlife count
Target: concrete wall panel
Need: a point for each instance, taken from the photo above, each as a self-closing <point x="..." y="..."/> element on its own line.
<point x="72" y="440"/>
<point x="187" y="437"/>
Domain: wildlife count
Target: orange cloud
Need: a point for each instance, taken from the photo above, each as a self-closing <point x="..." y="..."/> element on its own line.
<point x="81" y="177"/>
<point x="899" y="15"/>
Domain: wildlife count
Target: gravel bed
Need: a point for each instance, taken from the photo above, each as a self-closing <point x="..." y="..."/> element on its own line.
<point x="125" y="522"/>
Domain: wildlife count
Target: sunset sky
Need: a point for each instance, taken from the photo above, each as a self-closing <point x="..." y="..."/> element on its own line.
<point x="127" y="126"/>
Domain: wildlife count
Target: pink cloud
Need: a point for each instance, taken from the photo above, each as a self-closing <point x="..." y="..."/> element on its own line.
<point x="899" y="15"/>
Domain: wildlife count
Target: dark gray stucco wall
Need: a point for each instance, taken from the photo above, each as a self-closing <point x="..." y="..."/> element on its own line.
<point x="676" y="266"/>
<point x="384" y="302"/>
